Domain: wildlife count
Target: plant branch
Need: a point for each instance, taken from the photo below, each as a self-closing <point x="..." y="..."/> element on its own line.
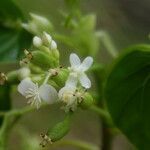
<point x="10" y="118"/>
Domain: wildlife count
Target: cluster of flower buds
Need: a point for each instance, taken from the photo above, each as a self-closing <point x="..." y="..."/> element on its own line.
<point x="72" y="82"/>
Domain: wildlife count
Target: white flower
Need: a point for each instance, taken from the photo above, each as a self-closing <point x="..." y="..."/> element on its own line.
<point x="77" y="70"/>
<point x="67" y="96"/>
<point x="37" y="41"/>
<point x="36" y="94"/>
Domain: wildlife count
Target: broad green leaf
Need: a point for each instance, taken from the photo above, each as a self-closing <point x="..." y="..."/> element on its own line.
<point x="128" y="95"/>
<point x="13" y="39"/>
<point x="5" y="103"/>
<point x="12" y="43"/>
<point x="9" y="11"/>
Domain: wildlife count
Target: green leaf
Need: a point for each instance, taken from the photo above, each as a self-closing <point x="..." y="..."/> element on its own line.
<point x="128" y="95"/>
<point x="9" y="11"/>
<point x="12" y="43"/>
<point x="13" y="39"/>
<point x="5" y="103"/>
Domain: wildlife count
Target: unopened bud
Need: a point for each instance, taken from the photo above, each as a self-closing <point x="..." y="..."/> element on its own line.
<point x="3" y="78"/>
<point x="23" y="73"/>
<point x="61" y="77"/>
<point x="37" y="42"/>
<point x="37" y="24"/>
<point x="60" y="129"/>
<point x="39" y="19"/>
<point x="87" y="101"/>
<point x="53" y="45"/>
<point x="47" y="39"/>
<point x="43" y="60"/>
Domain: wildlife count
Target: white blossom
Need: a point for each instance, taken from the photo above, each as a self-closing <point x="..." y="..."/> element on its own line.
<point x="77" y="70"/>
<point x="67" y="96"/>
<point x="36" y="94"/>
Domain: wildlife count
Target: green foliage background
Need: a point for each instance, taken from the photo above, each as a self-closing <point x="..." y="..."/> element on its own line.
<point x="127" y="87"/>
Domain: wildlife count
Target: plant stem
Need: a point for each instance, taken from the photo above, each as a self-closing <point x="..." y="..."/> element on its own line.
<point x="107" y="127"/>
<point x="78" y="144"/>
<point x="9" y="121"/>
<point x="10" y="118"/>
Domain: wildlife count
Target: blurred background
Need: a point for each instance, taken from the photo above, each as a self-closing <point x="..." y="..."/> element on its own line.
<point x="126" y="21"/>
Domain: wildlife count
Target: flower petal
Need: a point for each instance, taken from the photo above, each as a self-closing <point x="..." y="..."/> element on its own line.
<point x="64" y="90"/>
<point x="85" y="81"/>
<point x="86" y="64"/>
<point x="74" y="60"/>
<point x="25" y="85"/>
<point x="71" y="81"/>
<point x="48" y="93"/>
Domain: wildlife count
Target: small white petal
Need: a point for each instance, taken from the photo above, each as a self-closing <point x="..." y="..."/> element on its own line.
<point x="86" y="64"/>
<point x="71" y="81"/>
<point x="64" y="90"/>
<point x="25" y="85"/>
<point x="48" y="93"/>
<point x="74" y="60"/>
<point x="53" y="45"/>
<point x="37" y="42"/>
<point x="61" y="91"/>
<point x="85" y="81"/>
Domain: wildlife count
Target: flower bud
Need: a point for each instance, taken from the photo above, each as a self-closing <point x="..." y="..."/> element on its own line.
<point x="87" y="101"/>
<point x="55" y="53"/>
<point x="12" y="77"/>
<point x="60" y="129"/>
<point x="35" y="69"/>
<point x="42" y="60"/>
<point x="23" y="73"/>
<point x="53" y="45"/>
<point x="47" y="39"/>
<point x="37" y="24"/>
<point x="61" y="77"/>
<point x="37" y="42"/>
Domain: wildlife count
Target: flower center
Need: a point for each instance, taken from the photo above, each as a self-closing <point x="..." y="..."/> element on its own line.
<point x="33" y="95"/>
<point x="67" y="96"/>
<point x="76" y="71"/>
